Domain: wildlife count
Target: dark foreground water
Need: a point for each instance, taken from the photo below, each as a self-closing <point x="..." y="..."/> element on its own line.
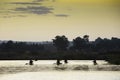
<point x="48" y="70"/>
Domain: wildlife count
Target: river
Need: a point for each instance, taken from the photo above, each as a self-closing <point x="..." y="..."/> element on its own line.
<point x="48" y="70"/>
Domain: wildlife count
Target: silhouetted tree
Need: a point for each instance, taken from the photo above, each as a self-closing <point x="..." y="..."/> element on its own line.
<point x="78" y="43"/>
<point x="86" y="38"/>
<point x="115" y="42"/>
<point x="99" y="39"/>
<point x="61" y="43"/>
<point x="8" y="46"/>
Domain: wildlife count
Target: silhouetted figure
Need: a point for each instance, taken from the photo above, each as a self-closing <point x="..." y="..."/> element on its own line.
<point x="30" y="62"/>
<point x="58" y="62"/>
<point x="36" y="60"/>
<point x="65" y="61"/>
<point x="94" y="62"/>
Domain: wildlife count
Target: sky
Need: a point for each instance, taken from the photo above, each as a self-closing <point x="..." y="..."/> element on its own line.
<point x="42" y="20"/>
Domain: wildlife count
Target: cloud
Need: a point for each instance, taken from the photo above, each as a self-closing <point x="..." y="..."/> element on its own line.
<point x="25" y="3"/>
<point x="22" y="9"/>
<point x="38" y="0"/>
<point x="53" y="0"/>
<point x="43" y="0"/>
<point x="35" y="10"/>
<point x="61" y="15"/>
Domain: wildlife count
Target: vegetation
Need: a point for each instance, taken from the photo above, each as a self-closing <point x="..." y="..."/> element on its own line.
<point x="61" y="43"/>
<point x="79" y="48"/>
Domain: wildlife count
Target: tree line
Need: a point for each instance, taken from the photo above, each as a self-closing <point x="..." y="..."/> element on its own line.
<point x="82" y="48"/>
<point x="61" y="47"/>
<point x="83" y="44"/>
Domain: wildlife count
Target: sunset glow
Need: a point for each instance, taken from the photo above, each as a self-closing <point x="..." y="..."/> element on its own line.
<point x="42" y="20"/>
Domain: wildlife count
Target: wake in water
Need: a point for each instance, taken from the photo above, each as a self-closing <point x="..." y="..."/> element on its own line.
<point x="7" y="67"/>
<point x="53" y="67"/>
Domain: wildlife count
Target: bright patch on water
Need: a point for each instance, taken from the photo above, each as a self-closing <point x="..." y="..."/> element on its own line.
<point x="39" y="62"/>
<point x="48" y="70"/>
<point x="64" y="75"/>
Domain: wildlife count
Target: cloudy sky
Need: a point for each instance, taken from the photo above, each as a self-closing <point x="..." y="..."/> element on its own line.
<point x="42" y="20"/>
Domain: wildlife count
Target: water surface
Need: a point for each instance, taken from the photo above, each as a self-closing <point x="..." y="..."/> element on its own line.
<point x="48" y="70"/>
<point x="64" y="75"/>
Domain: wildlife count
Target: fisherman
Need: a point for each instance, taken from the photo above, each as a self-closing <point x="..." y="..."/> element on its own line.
<point x="58" y="62"/>
<point x="65" y="61"/>
<point x="30" y="62"/>
<point x="94" y="62"/>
